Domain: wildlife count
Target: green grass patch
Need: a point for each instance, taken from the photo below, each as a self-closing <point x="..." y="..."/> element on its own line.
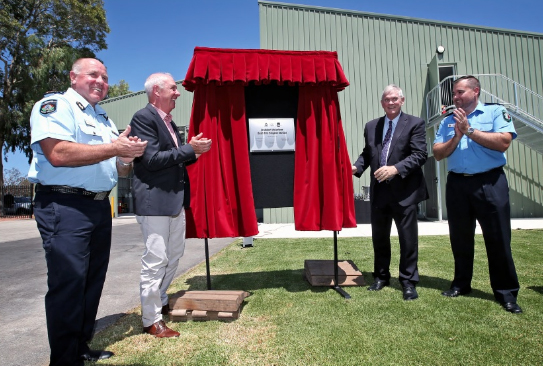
<point x="286" y="321"/>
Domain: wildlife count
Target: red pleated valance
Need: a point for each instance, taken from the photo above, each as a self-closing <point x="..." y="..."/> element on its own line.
<point x="232" y="66"/>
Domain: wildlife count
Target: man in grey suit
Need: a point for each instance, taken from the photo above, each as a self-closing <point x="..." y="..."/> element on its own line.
<point x="161" y="191"/>
<point x="395" y="150"/>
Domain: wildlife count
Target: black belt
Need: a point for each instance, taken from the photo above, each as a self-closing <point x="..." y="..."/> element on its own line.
<point x="72" y="190"/>
<point x="475" y="174"/>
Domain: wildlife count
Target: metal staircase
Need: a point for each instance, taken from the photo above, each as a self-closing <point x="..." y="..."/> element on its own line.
<point x="524" y="105"/>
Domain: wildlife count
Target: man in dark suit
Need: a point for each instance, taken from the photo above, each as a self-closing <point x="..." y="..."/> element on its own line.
<point x="161" y="191"/>
<point x="395" y="150"/>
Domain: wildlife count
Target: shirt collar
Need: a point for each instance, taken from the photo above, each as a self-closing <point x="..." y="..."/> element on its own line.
<point x="77" y="97"/>
<point x="83" y="104"/>
<point x="478" y="108"/>
<point x="166" y="117"/>
<point x="394" y="121"/>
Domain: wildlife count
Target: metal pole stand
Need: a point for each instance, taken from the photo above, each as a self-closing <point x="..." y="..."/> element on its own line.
<point x="208" y="275"/>
<point x="336" y="277"/>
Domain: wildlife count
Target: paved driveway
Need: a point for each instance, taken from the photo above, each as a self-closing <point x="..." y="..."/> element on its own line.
<point x="23" y="275"/>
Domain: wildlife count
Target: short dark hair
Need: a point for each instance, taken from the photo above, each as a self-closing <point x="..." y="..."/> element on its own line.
<point x="473" y="82"/>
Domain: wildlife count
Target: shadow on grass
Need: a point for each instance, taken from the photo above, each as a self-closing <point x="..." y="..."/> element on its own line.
<point x="435" y="283"/>
<point x="536" y="289"/>
<point x="127" y="325"/>
<point x="290" y="280"/>
<point x="441" y="285"/>
<point x="294" y="281"/>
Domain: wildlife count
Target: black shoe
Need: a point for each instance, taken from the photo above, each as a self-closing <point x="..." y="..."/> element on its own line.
<point x="378" y="285"/>
<point x="455" y="292"/>
<point x="410" y="293"/>
<point x="512" y="307"/>
<point x="95" y="355"/>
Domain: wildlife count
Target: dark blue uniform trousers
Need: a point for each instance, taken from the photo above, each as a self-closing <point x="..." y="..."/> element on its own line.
<point x="76" y="234"/>
<point x="484" y="198"/>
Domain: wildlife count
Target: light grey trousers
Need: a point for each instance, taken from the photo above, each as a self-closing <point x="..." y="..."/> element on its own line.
<point x="164" y="238"/>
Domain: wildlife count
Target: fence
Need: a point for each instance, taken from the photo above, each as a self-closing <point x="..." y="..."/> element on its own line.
<point x="16" y="201"/>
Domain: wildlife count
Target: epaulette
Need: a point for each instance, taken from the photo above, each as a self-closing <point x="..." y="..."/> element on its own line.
<point x="494" y="104"/>
<point x="51" y="92"/>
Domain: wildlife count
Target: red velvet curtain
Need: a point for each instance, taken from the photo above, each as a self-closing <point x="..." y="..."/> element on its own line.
<point x="220" y="181"/>
<point x="323" y="186"/>
<point x="221" y="192"/>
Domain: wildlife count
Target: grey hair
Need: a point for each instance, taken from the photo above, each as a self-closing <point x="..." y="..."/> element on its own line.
<point x="78" y="64"/>
<point x="158" y="78"/>
<point x="390" y="88"/>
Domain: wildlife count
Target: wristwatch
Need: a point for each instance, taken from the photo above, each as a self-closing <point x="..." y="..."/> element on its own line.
<point x="470" y="131"/>
<point x="122" y="163"/>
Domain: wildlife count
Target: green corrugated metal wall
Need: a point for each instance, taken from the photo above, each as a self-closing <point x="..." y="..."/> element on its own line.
<point x="376" y="50"/>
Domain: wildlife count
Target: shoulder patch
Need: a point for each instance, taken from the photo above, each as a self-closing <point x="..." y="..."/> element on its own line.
<point x="48" y="106"/>
<point x="506" y="116"/>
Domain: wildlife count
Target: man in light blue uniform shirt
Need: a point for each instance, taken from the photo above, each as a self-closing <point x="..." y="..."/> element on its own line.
<point x="474" y="139"/>
<point x="77" y="157"/>
<point x="57" y="118"/>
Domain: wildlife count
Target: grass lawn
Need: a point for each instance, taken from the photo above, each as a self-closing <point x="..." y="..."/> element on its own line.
<point x="286" y="321"/>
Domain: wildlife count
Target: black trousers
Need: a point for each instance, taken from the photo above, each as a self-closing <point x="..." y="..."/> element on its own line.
<point x="483" y="198"/>
<point x="383" y="210"/>
<point x="76" y="234"/>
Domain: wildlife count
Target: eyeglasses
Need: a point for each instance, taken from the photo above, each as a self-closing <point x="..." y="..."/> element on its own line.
<point x="393" y="100"/>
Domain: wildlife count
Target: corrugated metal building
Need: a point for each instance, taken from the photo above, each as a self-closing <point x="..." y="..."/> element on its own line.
<point x="376" y="50"/>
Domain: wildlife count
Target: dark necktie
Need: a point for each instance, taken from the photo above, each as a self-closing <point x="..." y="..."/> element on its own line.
<point x="386" y="144"/>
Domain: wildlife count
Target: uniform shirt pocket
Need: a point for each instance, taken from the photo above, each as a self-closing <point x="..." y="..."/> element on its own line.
<point x="487" y="126"/>
<point x="89" y="134"/>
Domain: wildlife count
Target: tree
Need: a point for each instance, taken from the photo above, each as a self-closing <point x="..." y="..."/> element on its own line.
<point x="40" y="40"/>
<point x="13" y="177"/>
<point x="116" y="90"/>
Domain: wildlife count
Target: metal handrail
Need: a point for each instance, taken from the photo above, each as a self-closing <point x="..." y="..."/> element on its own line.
<point x="498" y="88"/>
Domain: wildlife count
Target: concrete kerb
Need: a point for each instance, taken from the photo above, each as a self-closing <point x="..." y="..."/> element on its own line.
<point x="287" y="231"/>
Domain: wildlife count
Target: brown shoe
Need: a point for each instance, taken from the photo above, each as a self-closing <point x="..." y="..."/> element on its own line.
<point x="166" y="309"/>
<point x="160" y="330"/>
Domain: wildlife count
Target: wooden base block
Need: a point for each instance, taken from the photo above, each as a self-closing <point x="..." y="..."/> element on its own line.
<point x="206" y="305"/>
<point x="183" y="315"/>
<point x="321" y="273"/>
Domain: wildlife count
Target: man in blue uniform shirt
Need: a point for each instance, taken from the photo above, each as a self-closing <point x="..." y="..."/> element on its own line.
<point x="474" y="140"/>
<point x="77" y="157"/>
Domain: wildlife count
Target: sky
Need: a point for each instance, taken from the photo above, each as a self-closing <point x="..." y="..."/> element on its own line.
<point x="160" y="35"/>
